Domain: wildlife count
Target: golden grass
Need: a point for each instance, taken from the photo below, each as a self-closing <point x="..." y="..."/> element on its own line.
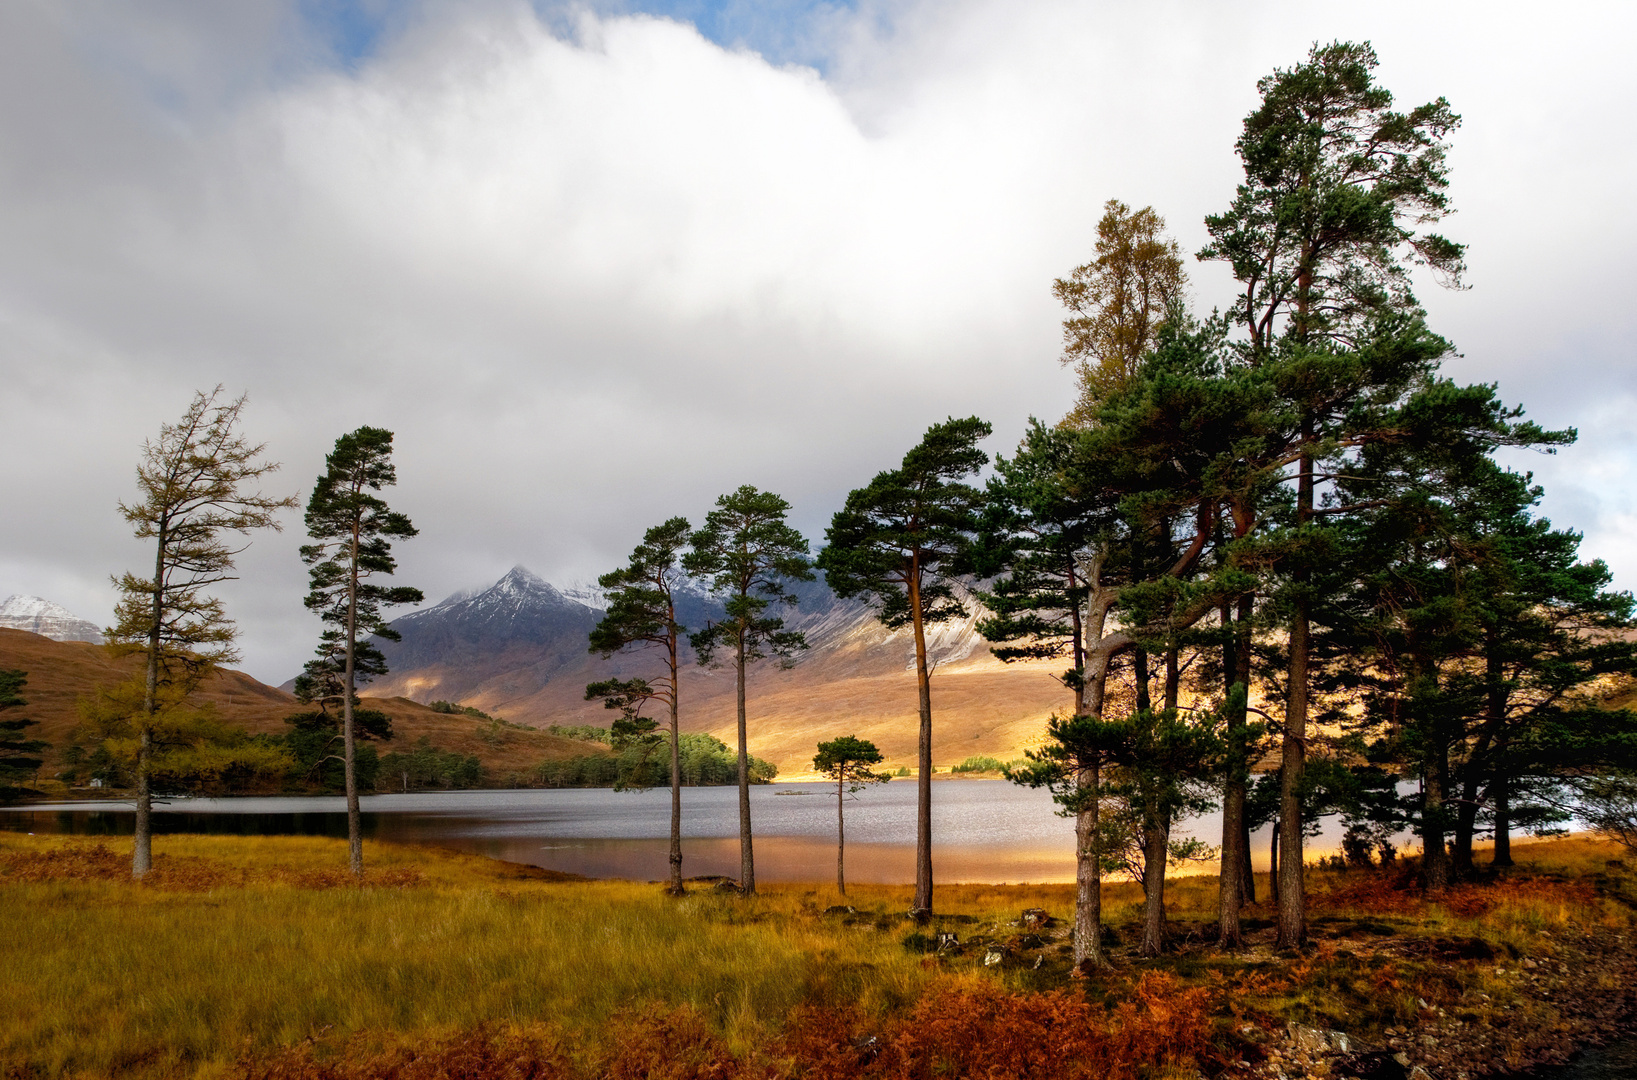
<point x="236" y="949"/>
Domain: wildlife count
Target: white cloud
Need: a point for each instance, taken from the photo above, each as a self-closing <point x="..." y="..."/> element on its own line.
<point x="594" y="276"/>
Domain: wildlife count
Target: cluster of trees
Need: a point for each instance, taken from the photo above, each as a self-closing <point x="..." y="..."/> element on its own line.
<point x="745" y="554"/>
<point x="702" y="760"/>
<point x="1284" y="513"/>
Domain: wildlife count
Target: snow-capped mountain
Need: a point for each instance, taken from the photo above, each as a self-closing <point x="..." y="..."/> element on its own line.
<point x="47" y="619"/>
<point x="519" y="649"/>
<point x="519" y="610"/>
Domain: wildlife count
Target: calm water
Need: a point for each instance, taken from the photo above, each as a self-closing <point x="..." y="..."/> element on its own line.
<point x="983" y="830"/>
<point x="1617" y="1061"/>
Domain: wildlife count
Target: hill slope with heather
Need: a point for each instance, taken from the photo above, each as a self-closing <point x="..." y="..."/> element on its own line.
<point x="60" y="673"/>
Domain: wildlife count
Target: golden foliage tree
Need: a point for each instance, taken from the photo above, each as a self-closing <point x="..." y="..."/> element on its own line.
<point x="1118" y="301"/>
<point x="191" y="484"/>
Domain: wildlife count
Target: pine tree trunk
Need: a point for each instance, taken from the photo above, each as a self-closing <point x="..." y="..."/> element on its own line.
<point x="1232" y="881"/>
<point x="1503" y="822"/>
<point x="1466" y="824"/>
<point x="1292" y="889"/>
<point x="1088" y="863"/>
<point x="1435" y="794"/>
<point x="355" y="832"/>
<point x="674" y="886"/>
<point x="923" y="794"/>
<point x="841" y="837"/>
<point x="1156" y="832"/>
<point x="747" y="859"/>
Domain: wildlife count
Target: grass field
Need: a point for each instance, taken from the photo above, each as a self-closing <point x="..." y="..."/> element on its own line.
<point x="243" y="956"/>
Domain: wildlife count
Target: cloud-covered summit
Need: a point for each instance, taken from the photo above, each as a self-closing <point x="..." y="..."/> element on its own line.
<point x="595" y="266"/>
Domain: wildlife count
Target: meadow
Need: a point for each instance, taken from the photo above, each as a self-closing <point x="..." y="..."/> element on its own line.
<point x="260" y="957"/>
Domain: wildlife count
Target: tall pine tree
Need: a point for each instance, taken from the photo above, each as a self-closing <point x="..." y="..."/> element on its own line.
<point x="352" y="528"/>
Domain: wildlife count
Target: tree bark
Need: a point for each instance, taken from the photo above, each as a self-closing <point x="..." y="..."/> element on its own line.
<point x="674" y="886"/>
<point x="355" y="833"/>
<point x="923" y="794"/>
<point x="1156" y="833"/>
<point x="1502" y="794"/>
<point x="747" y="858"/>
<point x="142" y="842"/>
<point x="1088" y="864"/>
<point x="1231" y="883"/>
<point x="841" y="836"/>
<point x="1292" y="889"/>
<point x="1434" y="804"/>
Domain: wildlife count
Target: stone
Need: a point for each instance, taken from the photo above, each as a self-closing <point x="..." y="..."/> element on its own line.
<point x="995" y="955"/>
<point x="949" y="942"/>
<point x="1035" y="918"/>
<point x="840" y="909"/>
<point x="1309" y="1040"/>
<point x="1419" y="1073"/>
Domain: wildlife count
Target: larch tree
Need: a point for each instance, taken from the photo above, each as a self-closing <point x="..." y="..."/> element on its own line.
<point x="1320" y="236"/>
<point x="641" y="612"/>
<point x="1117" y="302"/>
<point x="748" y="556"/>
<point x="352" y="528"/>
<point x="196" y="484"/>
<point x="903" y="541"/>
<point x="847" y="761"/>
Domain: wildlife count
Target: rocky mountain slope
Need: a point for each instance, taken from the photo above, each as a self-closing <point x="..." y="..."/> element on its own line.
<point x="47" y="619"/>
<point x="519" y="649"/>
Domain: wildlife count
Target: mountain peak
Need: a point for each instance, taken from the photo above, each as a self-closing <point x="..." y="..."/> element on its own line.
<point x="41" y="616"/>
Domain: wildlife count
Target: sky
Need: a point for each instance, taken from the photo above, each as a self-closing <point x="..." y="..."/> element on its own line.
<point x="596" y="264"/>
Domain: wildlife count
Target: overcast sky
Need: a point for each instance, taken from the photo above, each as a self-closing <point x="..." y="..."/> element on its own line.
<point x="597" y="264"/>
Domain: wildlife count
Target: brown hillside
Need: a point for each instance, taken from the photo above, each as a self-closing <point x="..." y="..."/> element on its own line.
<point x="60" y="673"/>
<point x="980" y="706"/>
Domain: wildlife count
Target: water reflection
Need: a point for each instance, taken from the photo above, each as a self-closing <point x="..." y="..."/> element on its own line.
<point x="984" y="831"/>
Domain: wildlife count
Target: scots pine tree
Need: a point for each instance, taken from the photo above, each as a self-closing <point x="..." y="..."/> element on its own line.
<point x="642" y="613"/>
<point x="903" y="542"/>
<point x="1321" y="236"/>
<point x="847" y="761"/>
<point x="748" y="555"/>
<point x="352" y="528"/>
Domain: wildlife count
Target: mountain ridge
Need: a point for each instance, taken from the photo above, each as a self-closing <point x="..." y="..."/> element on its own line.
<point x="519" y="649"/>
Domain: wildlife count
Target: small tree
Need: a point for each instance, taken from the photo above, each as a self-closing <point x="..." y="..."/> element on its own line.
<point x="191" y="482"/>
<point x="903" y="541"/>
<point x="351" y="528"/>
<point x="19" y="757"/>
<point x="847" y="761"/>
<point x="748" y="555"/>
<point x="642" y="612"/>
